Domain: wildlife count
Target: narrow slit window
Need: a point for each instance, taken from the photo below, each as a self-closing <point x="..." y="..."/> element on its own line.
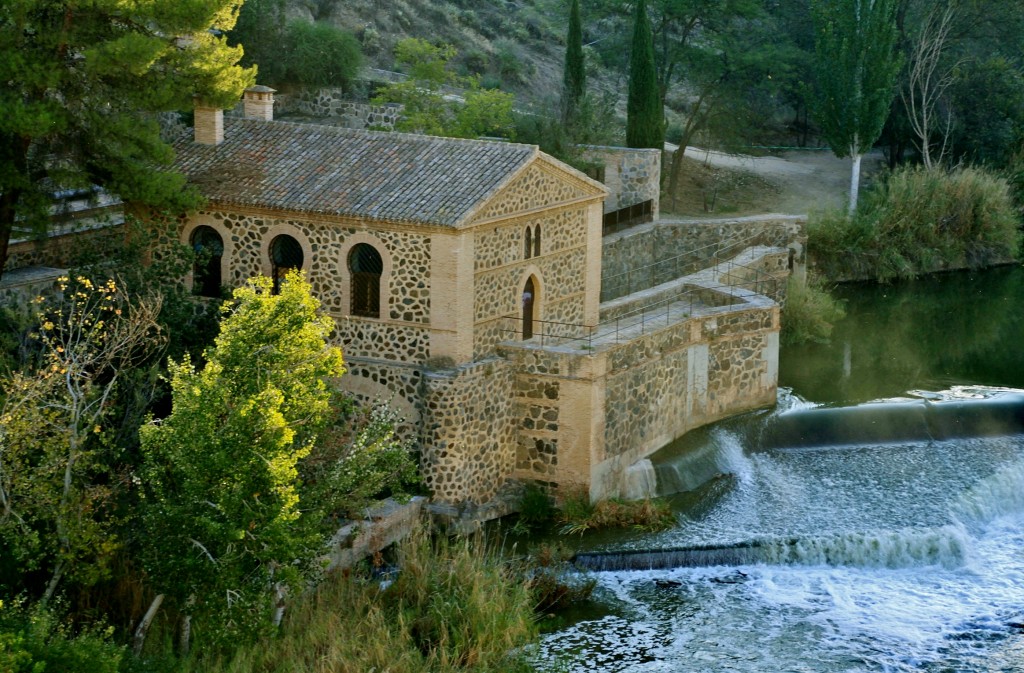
<point x="528" y="247"/>
<point x="536" y="241"/>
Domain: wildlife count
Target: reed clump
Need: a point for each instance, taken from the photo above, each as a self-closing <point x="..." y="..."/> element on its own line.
<point x="577" y="514"/>
<point x="917" y="220"/>
<point x="810" y="312"/>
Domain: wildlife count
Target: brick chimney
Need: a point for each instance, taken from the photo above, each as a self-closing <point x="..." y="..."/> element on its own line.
<point x="209" y="125"/>
<point x="259" y="103"/>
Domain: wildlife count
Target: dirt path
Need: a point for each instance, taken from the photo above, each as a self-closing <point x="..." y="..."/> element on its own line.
<point x="795" y="182"/>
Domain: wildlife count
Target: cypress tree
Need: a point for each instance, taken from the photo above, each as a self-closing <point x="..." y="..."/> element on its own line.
<point x="644" y="116"/>
<point x="574" y="78"/>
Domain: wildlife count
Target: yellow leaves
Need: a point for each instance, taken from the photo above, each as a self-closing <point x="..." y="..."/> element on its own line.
<point x="96" y="429"/>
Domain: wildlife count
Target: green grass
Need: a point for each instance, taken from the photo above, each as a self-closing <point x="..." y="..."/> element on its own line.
<point x="455" y="606"/>
<point x="919" y="221"/>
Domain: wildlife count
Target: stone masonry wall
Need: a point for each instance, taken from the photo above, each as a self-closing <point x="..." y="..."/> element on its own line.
<point x="501" y="268"/>
<point x="586" y="416"/>
<point x="650" y="254"/>
<point x="61" y="251"/>
<point x="335" y="103"/>
<point x="403" y="332"/>
<point x="469" y="436"/>
<point x="631" y="175"/>
<point x="704" y="368"/>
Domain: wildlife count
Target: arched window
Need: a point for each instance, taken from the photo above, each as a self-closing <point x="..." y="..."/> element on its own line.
<point x="528" y="244"/>
<point x="536" y="241"/>
<point x="365" y="267"/>
<point x="209" y="250"/>
<point x="285" y="255"/>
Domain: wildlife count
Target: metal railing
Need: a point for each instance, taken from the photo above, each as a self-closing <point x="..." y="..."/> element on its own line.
<point x="646" y="318"/>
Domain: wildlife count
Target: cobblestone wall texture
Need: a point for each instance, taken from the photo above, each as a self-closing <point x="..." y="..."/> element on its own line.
<point x="502" y="265"/>
<point x="537" y="414"/>
<point x="537" y="185"/>
<point x="651" y="382"/>
<point x="335" y="103"/>
<point x="469" y="442"/>
<point x="407" y="289"/>
<point x="639" y="258"/>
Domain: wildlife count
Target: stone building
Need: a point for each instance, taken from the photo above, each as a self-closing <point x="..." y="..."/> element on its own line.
<point x="428" y="252"/>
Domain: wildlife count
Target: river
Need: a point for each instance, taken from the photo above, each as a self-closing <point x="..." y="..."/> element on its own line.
<point x="882" y="537"/>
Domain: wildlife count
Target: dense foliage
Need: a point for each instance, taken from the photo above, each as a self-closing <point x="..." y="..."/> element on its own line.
<point x="810" y="312"/>
<point x="78" y="86"/>
<point x="916" y="221"/>
<point x="455" y="606"/>
<point x="574" y="84"/>
<point x="856" y="65"/>
<point x="426" y="107"/>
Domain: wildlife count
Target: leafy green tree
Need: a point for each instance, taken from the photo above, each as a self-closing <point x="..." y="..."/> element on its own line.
<point x="56" y="422"/>
<point x="735" y="71"/>
<point x="320" y="54"/>
<point x="644" y="116"/>
<point x="223" y="509"/>
<point x="574" y="83"/>
<point x="991" y="133"/>
<point x="426" y="107"/>
<point x="78" y="84"/>
<point x="856" y="70"/>
<point x="260" y="31"/>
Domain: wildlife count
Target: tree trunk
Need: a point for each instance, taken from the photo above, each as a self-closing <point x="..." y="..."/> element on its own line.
<point x="854" y="183"/>
<point x="185" y="637"/>
<point x="51" y="586"/>
<point x="139" y="638"/>
<point x="674" y="172"/>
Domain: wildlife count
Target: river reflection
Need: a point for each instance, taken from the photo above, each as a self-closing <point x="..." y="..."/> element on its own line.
<point x="929" y="334"/>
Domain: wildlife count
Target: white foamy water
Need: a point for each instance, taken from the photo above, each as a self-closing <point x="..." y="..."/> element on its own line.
<point x="894" y="559"/>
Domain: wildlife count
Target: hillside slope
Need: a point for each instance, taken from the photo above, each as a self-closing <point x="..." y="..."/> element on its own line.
<point x="519" y="45"/>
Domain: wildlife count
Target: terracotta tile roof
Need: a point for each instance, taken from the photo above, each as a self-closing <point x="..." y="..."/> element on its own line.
<point x="325" y="169"/>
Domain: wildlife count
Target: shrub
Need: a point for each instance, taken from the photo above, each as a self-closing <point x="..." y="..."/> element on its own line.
<point x="536" y="507"/>
<point x="916" y="221"/>
<point x="34" y="641"/>
<point x="810" y="312"/>
<point x="319" y="54"/>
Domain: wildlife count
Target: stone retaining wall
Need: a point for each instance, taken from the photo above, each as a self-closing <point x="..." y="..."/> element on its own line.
<point x="651" y="254"/>
<point x="335" y="103"/>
